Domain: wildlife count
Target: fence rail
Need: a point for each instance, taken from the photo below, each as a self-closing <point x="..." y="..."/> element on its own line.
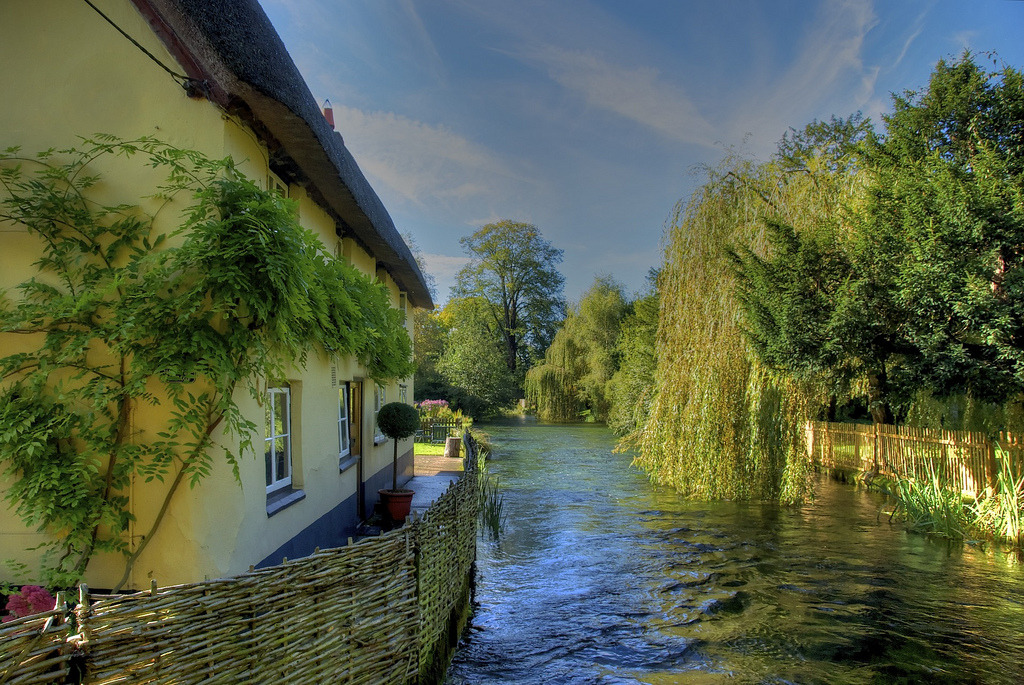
<point x="438" y="430"/>
<point x="371" y="612"/>
<point x="967" y="460"/>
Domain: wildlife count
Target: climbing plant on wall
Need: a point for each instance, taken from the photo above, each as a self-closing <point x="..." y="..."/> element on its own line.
<point x="121" y="315"/>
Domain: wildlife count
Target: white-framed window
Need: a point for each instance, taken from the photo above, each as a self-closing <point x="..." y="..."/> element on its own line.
<point x="276" y="185"/>
<point x="344" y="435"/>
<point x="278" y="438"/>
<point x="403" y="394"/>
<point x="379" y="400"/>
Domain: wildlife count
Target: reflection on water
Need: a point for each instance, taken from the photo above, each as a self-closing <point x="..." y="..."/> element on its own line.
<point x="601" y="577"/>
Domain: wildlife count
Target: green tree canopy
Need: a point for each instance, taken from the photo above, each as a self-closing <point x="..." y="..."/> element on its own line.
<point x="571" y="382"/>
<point x="512" y="273"/>
<point x="945" y="223"/>
<point x="631" y="388"/>
<point x="473" y="362"/>
<point x="431" y="335"/>
<point x="923" y="291"/>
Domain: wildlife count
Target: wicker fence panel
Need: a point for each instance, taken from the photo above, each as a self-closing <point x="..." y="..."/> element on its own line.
<point x="362" y="614"/>
<point x="344" y="615"/>
<point x="34" y="649"/>
<point x="446" y="539"/>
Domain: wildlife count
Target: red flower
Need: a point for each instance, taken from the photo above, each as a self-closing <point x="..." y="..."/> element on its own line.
<point x="32" y="600"/>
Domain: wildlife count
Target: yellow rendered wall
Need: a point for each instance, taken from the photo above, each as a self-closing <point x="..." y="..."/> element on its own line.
<point x="66" y="73"/>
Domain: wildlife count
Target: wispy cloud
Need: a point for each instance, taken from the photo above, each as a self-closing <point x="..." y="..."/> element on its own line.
<point x="828" y="69"/>
<point x="965" y="40"/>
<point x="418" y="32"/>
<point x="637" y="94"/>
<point x="419" y="162"/>
<point x="443" y="268"/>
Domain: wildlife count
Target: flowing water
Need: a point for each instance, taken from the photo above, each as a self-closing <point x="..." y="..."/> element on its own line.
<point x="600" y="577"/>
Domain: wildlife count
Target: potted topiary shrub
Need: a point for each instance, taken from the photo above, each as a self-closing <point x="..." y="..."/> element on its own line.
<point x="397" y="420"/>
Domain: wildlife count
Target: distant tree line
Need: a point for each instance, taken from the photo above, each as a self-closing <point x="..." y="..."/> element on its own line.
<point x="858" y="274"/>
<point x="502" y="315"/>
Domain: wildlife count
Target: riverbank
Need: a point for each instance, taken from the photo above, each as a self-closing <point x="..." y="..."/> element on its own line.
<point x="602" y="577"/>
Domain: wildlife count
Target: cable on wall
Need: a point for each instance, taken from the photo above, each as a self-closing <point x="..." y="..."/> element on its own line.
<point x="192" y="86"/>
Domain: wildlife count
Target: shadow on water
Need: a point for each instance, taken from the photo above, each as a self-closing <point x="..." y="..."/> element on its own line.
<point x="600" y="577"/>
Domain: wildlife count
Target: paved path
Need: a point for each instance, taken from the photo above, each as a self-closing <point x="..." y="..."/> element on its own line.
<point x="433" y="476"/>
<point x="431" y="465"/>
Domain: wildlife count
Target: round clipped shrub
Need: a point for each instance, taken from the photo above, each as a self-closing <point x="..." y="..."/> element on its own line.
<point x="398" y="420"/>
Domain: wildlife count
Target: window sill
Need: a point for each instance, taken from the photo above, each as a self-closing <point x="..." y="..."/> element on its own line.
<point x="347" y="462"/>
<point x="282" y="499"/>
<point x="379" y="440"/>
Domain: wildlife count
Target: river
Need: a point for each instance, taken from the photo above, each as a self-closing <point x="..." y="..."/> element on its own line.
<point x="601" y="577"/>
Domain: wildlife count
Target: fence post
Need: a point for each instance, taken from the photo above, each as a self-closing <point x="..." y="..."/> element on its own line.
<point x="874" y="447"/>
<point x="856" y="449"/>
<point x="992" y="468"/>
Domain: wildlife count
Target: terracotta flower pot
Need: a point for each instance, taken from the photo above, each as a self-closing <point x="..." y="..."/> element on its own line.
<point x="397" y="502"/>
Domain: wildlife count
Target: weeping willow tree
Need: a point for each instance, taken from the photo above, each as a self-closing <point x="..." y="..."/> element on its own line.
<point x="631" y="387"/>
<point x="722" y="425"/>
<point x="571" y="383"/>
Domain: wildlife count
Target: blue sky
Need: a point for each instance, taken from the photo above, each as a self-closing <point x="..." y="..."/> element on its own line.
<point x="591" y="119"/>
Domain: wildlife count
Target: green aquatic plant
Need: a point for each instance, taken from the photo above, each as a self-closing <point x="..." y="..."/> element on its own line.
<point x="925" y="505"/>
<point x="492" y="507"/>
<point x="1000" y="512"/>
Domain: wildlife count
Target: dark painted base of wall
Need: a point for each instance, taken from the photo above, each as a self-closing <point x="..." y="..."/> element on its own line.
<point x="334" y="528"/>
<point x="382" y="481"/>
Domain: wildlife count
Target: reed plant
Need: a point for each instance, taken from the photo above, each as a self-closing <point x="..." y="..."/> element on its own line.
<point x="492" y="506"/>
<point x="925" y="505"/>
<point x="999" y="513"/>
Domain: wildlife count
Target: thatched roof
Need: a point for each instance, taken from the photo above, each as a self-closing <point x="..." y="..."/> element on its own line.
<point x="231" y="48"/>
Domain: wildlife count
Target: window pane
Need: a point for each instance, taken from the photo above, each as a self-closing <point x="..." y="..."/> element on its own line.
<point x="277" y="453"/>
<point x="281" y="426"/>
<point x="343" y="443"/>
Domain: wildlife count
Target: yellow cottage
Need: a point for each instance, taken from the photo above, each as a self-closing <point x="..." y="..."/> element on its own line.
<point x="213" y="76"/>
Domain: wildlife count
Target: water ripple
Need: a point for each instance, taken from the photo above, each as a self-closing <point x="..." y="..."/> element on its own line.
<point x="604" y="579"/>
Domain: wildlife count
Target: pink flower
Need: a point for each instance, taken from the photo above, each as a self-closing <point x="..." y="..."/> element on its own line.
<point x="32" y="600"/>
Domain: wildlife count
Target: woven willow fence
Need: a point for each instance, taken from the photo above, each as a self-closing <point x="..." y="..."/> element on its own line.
<point x="372" y="612"/>
<point x="966" y="460"/>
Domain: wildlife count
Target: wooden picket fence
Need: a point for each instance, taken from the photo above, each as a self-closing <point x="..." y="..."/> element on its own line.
<point x="436" y="431"/>
<point x="376" y="611"/>
<point x="966" y="460"/>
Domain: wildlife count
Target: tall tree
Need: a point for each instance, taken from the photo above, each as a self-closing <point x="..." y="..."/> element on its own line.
<point x="512" y="270"/>
<point x="722" y="423"/>
<point x="430" y="335"/>
<point x="473" y="361"/>
<point x="631" y="388"/>
<point x="925" y="290"/>
<point x="572" y="380"/>
<point x="946" y="220"/>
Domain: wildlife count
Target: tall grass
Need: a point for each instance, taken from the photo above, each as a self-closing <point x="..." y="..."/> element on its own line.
<point x="999" y="513"/>
<point x="924" y="505"/>
<point x="492" y="507"/>
<point x="492" y="503"/>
